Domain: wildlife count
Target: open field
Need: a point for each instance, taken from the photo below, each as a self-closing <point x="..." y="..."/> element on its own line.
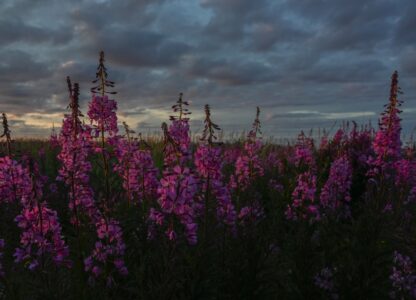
<point x="101" y="212"/>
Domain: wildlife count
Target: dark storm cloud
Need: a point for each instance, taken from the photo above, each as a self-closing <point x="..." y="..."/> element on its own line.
<point x="19" y="67"/>
<point x="17" y="31"/>
<point x="306" y="63"/>
<point x="229" y="72"/>
<point x="404" y="31"/>
<point x="141" y="48"/>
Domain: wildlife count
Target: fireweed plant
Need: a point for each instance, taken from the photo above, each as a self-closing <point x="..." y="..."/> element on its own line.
<point x="209" y="165"/>
<point x="248" y="168"/>
<point x="304" y="200"/>
<point x="41" y="239"/>
<point x="178" y="186"/>
<point x="6" y="134"/>
<point x="75" y="144"/>
<point x="136" y="168"/>
<point x="106" y="259"/>
<point x="136" y="218"/>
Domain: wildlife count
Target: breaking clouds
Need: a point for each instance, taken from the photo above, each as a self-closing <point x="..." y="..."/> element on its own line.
<point x="307" y="64"/>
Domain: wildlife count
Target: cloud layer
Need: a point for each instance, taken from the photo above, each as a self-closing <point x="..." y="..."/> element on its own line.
<point x="307" y="64"/>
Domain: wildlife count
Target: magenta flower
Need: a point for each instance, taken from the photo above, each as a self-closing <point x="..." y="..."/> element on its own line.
<point x="177" y="148"/>
<point x="137" y="170"/>
<point x="107" y="257"/>
<point x="178" y="152"/>
<point x="231" y="154"/>
<point x="41" y="236"/>
<point x="387" y="142"/>
<point x="303" y="204"/>
<point x="405" y="173"/>
<point x="272" y="163"/>
<point x="76" y="146"/>
<point x="15" y="182"/>
<point x="304" y="152"/>
<point x="208" y="163"/>
<point x="177" y="192"/>
<point x="403" y="278"/>
<point x="248" y="166"/>
<point x="251" y="214"/>
<point x="102" y="113"/>
<point x="336" y="191"/>
<point x="303" y="199"/>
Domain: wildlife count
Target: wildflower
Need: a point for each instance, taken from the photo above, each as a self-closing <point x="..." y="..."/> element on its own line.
<point x="14" y="181"/>
<point x="387" y="143"/>
<point x="102" y="113"/>
<point x="41" y="235"/>
<point x="75" y="144"/>
<point x="251" y="214"/>
<point x="41" y="230"/>
<point x="6" y="134"/>
<point x="248" y="165"/>
<point x="303" y="199"/>
<point x="336" y="190"/>
<point x="304" y="152"/>
<point x="403" y="277"/>
<point x="230" y="155"/>
<point x="303" y="204"/>
<point x="177" y="149"/>
<point x="107" y="257"/>
<point x="136" y="168"/>
<point x="176" y="198"/>
<point x="208" y="163"/>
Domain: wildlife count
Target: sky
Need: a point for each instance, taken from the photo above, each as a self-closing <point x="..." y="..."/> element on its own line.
<point x="307" y="64"/>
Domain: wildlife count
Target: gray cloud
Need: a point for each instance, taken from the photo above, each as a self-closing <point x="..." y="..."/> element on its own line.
<point x="328" y="57"/>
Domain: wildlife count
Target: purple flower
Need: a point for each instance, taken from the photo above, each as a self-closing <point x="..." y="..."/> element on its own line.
<point x="403" y="277"/>
<point x="76" y="146"/>
<point x="336" y="190"/>
<point x="303" y="199"/>
<point x="248" y="166"/>
<point x="137" y="170"/>
<point x="102" y="113"/>
<point x="208" y="162"/>
<point x="387" y="142"/>
<point x="304" y="152"/>
<point x="108" y="252"/>
<point x="15" y="182"/>
<point x="176" y="199"/>
<point x="41" y="235"/>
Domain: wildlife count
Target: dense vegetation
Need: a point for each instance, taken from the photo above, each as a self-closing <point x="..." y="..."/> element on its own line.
<point x="95" y="213"/>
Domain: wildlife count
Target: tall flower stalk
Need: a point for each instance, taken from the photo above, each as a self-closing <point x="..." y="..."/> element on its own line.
<point x="136" y="168"/>
<point x="304" y="204"/>
<point x="178" y="152"/>
<point x="249" y="168"/>
<point x="74" y="140"/>
<point x="41" y="238"/>
<point x="102" y="113"/>
<point x="107" y="256"/>
<point x="248" y="164"/>
<point x="336" y="192"/>
<point x="6" y="134"/>
<point x="178" y="186"/>
<point x="387" y="142"/>
<point x="209" y="163"/>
